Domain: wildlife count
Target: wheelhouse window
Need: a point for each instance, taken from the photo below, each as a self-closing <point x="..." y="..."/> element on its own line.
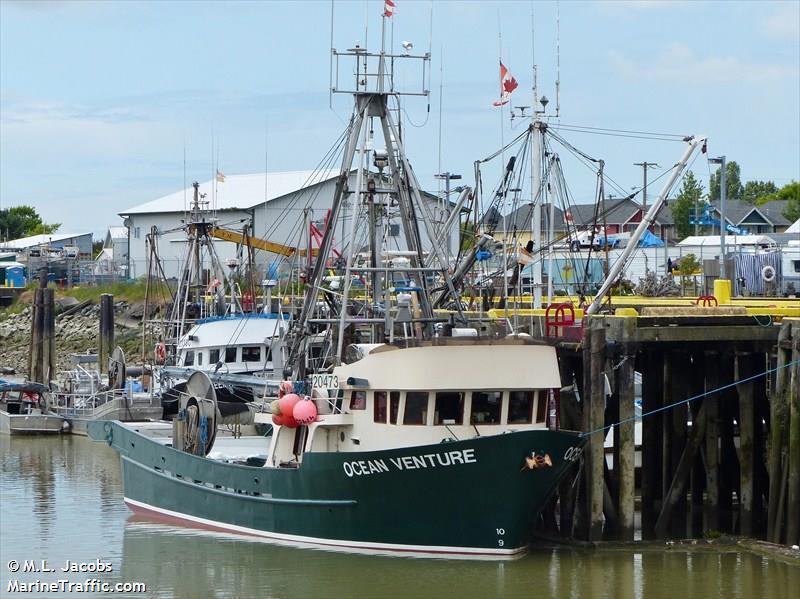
<point x="213" y="356"/>
<point x="230" y="354"/>
<point x="520" y="407"/>
<point x="188" y="359"/>
<point x="358" y="400"/>
<point x="394" y="406"/>
<point x="416" y="411"/>
<point x="380" y="407"/>
<point x="449" y="408"/>
<point x="542" y="399"/>
<point x="251" y="353"/>
<point x="199" y="358"/>
<point x="486" y="407"/>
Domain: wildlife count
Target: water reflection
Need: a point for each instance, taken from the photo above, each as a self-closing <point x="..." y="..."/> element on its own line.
<point x="61" y="499"/>
<point x="186" y="563"/>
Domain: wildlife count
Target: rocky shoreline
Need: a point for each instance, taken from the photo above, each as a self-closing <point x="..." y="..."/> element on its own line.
<point x="76" y="332"/>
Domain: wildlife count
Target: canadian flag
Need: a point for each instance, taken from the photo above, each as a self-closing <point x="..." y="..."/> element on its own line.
<point x="388" y="8"/>
<point x="507" y="85"/>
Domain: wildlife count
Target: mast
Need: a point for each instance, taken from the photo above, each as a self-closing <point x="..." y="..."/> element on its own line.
<point x="379" y="198"/>
<point x="536" y="186"/>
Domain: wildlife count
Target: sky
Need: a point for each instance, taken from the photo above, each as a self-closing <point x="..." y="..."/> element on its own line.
<point x="99" y="101"/>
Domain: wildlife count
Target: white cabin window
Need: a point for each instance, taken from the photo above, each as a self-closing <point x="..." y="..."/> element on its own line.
<point x="486" y="407"/>
<point x="380" y="404"/>
<point x="199" y="358"/>
<point x="394" y="406"/>
<point x="416" y="411"/>
<point x="541" y="406"/>
<point x="251" y="353"/>
<point x="520" y="407"/>
<point x="230" y="354"/>
<point x="358" y="400"/>
<point x="449" y="407"/>
<point x="188" y="359"/>
<point x="213" y="356"/>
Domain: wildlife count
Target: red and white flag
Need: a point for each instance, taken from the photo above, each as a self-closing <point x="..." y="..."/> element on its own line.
<point x="388" y="8"/>
<point x="507" y="85"/>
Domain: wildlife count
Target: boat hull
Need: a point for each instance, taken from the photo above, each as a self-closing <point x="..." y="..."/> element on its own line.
<point x="472" y="498"/>
<point x="31" y="424"/>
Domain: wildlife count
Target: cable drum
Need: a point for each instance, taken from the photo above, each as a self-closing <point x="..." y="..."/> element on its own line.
<point x="768" y="273"/>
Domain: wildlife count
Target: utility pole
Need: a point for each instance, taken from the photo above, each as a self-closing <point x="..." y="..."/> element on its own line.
<point x="723" y="192"/>
<point x="645" y="165"/>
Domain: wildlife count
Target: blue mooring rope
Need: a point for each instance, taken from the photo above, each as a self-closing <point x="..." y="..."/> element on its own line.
<point x="690" y="399"/>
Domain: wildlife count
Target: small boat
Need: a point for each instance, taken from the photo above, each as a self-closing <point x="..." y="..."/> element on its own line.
<point x="80" y="395"/>
<point x="23" y="410"/>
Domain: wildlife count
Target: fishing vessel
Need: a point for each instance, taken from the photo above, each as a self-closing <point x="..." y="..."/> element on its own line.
<point x="23" y="410"/>
<point x="81" y="395"/>
<point x="397" y="428"/>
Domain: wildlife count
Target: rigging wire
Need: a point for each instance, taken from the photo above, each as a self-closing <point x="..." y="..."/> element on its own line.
<point x="691" y="399"/>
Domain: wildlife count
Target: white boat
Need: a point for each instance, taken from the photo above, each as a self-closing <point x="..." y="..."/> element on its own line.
<point x="23" y="411"/>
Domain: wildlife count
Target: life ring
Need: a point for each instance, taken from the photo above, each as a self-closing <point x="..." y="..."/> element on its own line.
<point x="161" y="352"/>
<point x="768" y="273"/>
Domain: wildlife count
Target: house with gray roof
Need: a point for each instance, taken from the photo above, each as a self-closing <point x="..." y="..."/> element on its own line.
<point x="766" y="218"/>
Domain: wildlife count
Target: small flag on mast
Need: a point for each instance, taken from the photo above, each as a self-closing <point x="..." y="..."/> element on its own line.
<point x="507" y="86"/>
<point x="220" y="176"/>
<point x="388" y="8"/>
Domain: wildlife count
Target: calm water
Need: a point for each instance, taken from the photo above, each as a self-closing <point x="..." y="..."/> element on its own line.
<point x="62" y="499"/>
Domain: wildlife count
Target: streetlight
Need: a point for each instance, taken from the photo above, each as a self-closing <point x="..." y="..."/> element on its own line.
<point x="723" y="192"/>
<point x="447" y="176"/>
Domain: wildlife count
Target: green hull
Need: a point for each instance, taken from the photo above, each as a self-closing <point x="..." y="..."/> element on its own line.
<point x="475" y="497"/>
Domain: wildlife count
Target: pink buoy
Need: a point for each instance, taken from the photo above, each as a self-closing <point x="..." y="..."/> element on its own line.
<point x="305" y="411"/>
<point x="289" y="422"/>
<point x="278" y="419"/>
<point x="287" y="403"/>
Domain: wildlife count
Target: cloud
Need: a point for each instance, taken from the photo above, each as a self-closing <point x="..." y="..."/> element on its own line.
<point x="784" y="24"/>
<point x="678" y="63"/>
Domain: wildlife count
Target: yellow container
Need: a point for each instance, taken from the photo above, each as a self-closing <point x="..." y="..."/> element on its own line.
<point x="722" y="291"/>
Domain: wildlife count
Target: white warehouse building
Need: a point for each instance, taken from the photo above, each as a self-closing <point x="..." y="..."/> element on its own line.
<point x="278" y="205"/>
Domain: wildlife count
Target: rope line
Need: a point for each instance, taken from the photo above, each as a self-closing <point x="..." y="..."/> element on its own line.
<point x="690" y="399"/>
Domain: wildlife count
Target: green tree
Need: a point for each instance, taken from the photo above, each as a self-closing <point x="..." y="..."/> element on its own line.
<point x="733" y="183"/>
<point x="22" y="221"/>
<point x="755" y="190"/>
<point x="789" y="192"/>
<point x="685" y="204"/>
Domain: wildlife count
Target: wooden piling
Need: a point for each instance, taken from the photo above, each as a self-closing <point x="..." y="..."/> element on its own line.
<point x="745" y="368"/>
<point x="728" y="461"/>
<point x="711" y="448"/>
<point x="793" y="492"/>
<point x="777" y="435"/>
<point x="594" y="402"/>
<point x="627" y="446"/>
<point x="35" y="341"/>
<point x="652" y="385"/>
<point x="106" y="330"/>
<point x="677" y="417"/>
<point x="677" y="489"/>
<point x="46" y="338"/>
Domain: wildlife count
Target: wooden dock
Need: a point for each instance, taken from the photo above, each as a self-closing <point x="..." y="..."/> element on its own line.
<point x="720" y="449"/>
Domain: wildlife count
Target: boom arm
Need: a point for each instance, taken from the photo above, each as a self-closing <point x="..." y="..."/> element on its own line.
<point x="260" y="244"/>
<point x="649" y="219"/>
